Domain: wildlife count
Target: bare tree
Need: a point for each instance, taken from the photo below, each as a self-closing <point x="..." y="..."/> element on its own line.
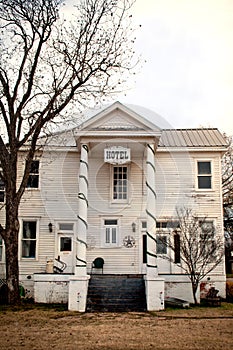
<point x="227" y="175"/>
<point x="196" y="245"/>
<point x="49" y="67"/>
<point x="227" y="190"/>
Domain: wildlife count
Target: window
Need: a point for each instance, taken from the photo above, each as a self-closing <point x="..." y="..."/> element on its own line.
<point x="29" y="239"/>
<point x="207" y="242"/>
<point x="161" y="224"/>
<point x="33" y="180"/>
<point x="207" y="229"/>
<point x="120" y="183"/>
<point x="144" y="225"/>
<point x="1" y="249"/>
<point x="177" y="248"/>
<point x="161" y="244"/>
<point x="66" y="226"/>
<point x="66" y="244"/>
<point x="204" y="175"/>
<point x="2" y="191"/>
<point x="111" y="232"/>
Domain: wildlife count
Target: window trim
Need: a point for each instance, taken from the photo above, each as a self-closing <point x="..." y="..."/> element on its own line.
<point x="204" y="175"/>
<point x="119" y="201"/>
<point x="103" y="232"/>
<point x="26" y="219"/>
<point x="65" y="233"/>
<point x="39" y="171"/>
<point x="210" y="237"/>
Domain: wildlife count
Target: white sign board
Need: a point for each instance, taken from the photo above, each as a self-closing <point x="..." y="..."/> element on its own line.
<point x="117" y="155"/>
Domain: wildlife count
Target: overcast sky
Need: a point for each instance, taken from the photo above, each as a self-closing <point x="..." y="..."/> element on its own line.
<point x="188" y="76"/>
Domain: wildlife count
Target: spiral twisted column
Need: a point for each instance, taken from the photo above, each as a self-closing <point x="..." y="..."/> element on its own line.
<point x="150" y="210"/>
<point x="81" y="264"/>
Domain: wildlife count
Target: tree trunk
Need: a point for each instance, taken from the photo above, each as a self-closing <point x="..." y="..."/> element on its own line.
<point x="11" y="246"/>
<point x="194" y="289"/>
<point x="12" y="268"/>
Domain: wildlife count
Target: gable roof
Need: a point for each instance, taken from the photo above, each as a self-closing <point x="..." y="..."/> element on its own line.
<point x="119" y="120"/>
<point x="210" y="137"/>
<point x="118" y="117"/>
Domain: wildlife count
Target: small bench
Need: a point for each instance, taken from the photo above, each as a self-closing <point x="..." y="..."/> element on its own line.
<point x="211" y="298"/>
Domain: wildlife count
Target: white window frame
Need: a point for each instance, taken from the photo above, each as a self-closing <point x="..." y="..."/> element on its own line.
<point x="163" y="229"/>
<point x="116" y="226"/>
<point x="210" y="236"/>
<point x="63" y="232"/>
<point x="117" y="200"/>
<point x="34" y="174"/>
<point x="205" y="160"/>
<point x="22" y="220"/>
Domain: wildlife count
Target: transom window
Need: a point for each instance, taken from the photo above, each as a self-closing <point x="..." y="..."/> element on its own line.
<point x="204" y="177"/>
<point x="111" y="232"/>
<point x="120" y="182"/>
<point x="161" y="224"/>
<point x="66" y="226"/>
<point x="33" y="180"/>
<point x="29" y="239"/>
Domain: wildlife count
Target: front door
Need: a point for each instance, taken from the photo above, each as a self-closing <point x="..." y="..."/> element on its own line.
<point x="65" y="247"/>
<point x="65" y="252"/>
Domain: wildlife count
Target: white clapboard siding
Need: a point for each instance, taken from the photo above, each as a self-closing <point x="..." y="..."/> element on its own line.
<point x="54" y="201"/>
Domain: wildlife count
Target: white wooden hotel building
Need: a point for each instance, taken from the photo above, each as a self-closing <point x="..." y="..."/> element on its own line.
<point x="107" y="189"/>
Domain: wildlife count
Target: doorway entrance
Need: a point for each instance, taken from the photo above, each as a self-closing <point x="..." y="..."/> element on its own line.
<point x="65" y="246"/>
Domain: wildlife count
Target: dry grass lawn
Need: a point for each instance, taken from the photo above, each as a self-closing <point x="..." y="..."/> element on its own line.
<point x="39" y="327"/>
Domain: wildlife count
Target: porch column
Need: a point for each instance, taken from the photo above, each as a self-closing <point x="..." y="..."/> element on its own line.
<point x="81" y="238"/>
<point x="78" y="284"/>
<point x="154" y="285"/>
<point x="150" y="210"/>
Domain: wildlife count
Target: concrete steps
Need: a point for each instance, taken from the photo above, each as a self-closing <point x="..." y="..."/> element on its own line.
<point x="116" y="293"/>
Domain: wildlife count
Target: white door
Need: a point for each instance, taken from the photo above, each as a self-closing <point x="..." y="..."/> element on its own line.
<point x="65" y="253"/>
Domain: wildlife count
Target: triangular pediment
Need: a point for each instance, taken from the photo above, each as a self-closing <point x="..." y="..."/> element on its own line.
<point x="118" y="117"/>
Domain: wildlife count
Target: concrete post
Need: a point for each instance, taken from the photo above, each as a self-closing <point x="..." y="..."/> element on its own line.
<point x="81" y="264"/>
<point x="78" y="284"/>
<point x="153" y="284"/>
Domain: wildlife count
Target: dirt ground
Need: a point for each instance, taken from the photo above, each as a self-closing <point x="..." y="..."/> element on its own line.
<point x="40" y="327"/>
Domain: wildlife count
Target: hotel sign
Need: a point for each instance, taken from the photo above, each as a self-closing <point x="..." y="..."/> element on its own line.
<point x="117" y="155"/>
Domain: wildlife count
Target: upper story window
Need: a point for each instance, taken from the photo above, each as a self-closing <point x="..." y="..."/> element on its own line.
<point x="204" y="175"/>
<point x="120" y="183"/>
<point x="33" y="180"/>
<point x="29" y="239"/>
<point x="2" y="191"/>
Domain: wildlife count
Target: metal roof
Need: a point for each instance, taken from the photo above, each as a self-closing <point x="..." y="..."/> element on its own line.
<point x="210" y="137"/>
